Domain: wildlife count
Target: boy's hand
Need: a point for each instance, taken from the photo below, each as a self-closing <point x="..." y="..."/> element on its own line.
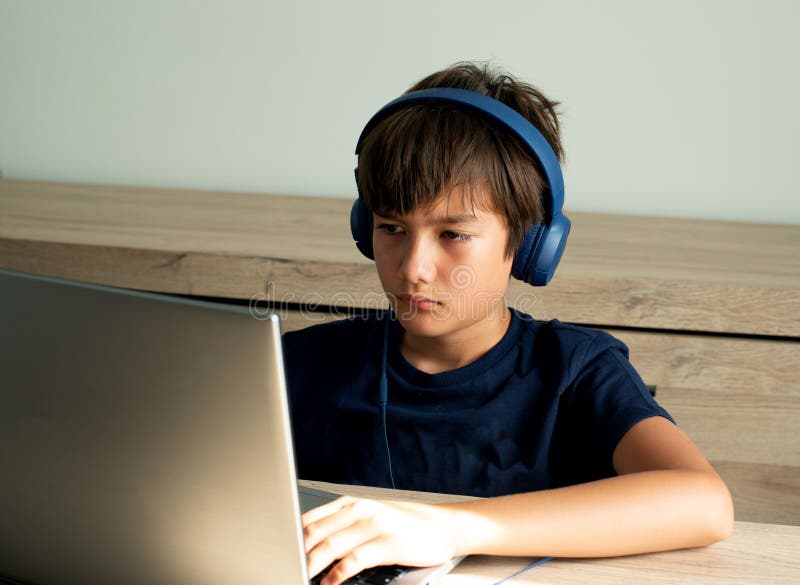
<point x="365" y="533"/>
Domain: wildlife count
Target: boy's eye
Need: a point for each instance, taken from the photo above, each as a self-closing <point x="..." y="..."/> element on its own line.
<point x="457" y="236"/>
<point x="389" y="228"/>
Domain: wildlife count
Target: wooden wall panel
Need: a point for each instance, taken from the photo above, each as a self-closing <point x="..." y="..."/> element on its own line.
<point x="617" y="270"/>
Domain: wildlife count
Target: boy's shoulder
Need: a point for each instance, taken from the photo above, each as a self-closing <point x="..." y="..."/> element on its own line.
<point x="341" y="335"/>
<point x="338" y="349"/>
<point x="335" y="329"/>
<point x="567" y="333"/>
<point x="569" y="344"/>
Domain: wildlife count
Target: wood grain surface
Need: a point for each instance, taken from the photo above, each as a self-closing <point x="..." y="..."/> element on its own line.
<point x="756" y="553"/>
<point x="617" y="270"/>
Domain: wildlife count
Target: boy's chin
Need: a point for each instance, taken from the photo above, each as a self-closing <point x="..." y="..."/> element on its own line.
<point x="427" y="324"/>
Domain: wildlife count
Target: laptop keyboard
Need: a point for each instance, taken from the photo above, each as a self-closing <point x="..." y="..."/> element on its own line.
<point x="373" y="576"/>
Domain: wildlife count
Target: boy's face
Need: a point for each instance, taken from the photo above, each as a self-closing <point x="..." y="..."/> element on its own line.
<point x="443" y="268"/>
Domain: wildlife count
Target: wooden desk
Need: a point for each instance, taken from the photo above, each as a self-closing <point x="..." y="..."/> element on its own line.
<point x="710" y="310"/>
<point x="755" y="553"/>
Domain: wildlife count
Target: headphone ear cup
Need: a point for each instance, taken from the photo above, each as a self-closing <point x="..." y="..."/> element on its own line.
<point x="549" y="250"/>
<point x="361" y="228"/>
<point x="522" y="260"/>
<point x="540" y="252"/>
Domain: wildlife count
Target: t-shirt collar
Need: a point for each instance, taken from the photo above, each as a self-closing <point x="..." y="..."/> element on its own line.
<point x="405" y="370"/>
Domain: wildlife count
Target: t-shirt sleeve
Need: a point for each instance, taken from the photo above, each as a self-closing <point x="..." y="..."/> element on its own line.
<point x="606" y="398"/>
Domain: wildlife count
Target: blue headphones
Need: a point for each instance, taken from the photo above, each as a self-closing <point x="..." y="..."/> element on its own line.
<point x="537" y="257"/>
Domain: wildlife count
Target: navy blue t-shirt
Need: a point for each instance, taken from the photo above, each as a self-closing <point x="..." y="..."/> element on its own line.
<point x="544" y="408"/>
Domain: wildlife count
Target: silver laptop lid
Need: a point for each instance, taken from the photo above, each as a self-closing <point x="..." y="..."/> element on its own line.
<point x="143" y="439"/>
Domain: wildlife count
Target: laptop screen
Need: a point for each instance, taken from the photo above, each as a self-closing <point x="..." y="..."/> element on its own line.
<point x="143" y="438"/>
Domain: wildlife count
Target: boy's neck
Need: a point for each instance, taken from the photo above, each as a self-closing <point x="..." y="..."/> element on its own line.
<point x="434" y="355"/>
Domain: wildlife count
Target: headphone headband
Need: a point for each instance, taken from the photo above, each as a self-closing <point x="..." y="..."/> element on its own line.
<point x="499" y="112"/>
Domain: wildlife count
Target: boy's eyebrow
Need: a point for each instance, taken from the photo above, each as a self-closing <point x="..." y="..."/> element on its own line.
<point x="462" y="218"/>
<point x="446" y="219"/>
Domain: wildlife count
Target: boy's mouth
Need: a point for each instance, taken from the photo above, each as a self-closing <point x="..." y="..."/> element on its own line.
<point x="417" y="301"/>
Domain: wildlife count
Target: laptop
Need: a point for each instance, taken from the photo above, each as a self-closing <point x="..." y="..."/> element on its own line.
<point x="145" y="438"/>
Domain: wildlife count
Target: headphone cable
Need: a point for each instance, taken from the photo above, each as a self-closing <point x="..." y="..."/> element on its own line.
<point x="384" y="396"/>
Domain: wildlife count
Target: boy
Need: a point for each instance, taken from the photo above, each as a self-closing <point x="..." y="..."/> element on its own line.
<point x="452" y="391"/>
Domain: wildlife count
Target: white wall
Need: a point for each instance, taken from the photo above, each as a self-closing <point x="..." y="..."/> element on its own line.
<point x="677" y="108"/>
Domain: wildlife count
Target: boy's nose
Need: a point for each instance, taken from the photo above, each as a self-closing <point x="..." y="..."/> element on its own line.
<point x="418" y="264"/>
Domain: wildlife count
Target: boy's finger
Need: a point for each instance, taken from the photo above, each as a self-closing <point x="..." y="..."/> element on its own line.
<point x="339" y="545"/>
<point x="331" y="524"/>
<point x="368" y="554"/>
<point x="349" y="514"/>
<point x="325" y="510"/>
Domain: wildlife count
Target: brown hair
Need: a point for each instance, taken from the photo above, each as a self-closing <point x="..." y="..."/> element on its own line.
<point x="416" y="153"/>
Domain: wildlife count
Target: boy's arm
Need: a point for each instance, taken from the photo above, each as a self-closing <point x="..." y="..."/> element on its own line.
<point x="667" y="496"/>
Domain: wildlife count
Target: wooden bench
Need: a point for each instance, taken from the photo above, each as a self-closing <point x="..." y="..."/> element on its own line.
<point x="710" y="310"/>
